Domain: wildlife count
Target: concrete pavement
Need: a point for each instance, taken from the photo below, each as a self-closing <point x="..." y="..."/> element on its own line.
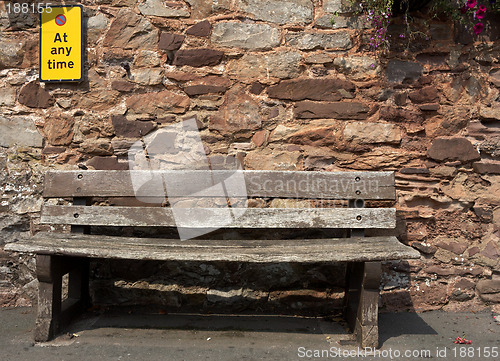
<point x="141" y="335"/>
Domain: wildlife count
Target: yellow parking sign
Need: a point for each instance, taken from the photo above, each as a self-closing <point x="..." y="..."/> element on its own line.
<point x="61" y="49"/>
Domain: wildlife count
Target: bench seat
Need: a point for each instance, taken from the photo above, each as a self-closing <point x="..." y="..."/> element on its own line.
<point x="197" y="202"/>
<point x="354" y="249"/>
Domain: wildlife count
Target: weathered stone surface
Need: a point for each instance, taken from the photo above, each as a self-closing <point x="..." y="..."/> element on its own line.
<point x="316" y="134"/>
<point x="107" y="163"/>
<point x="122" y="86"/>
<point x="121" y="146"/>
<point x="329" y="89"/>
<point x="256" y="88"/>
<point x="96" y="25"/>
<point x="338" y="6"/>
<point x="131" y="128"/>
<point x="169" y="41"/>
<point x="163" y="9"/>
<point x="403" y="71"/>
<point x="484" y="167"/>
<point x="424" y="247"/>
<point x="490" y="113"/>
<point x="428" y="94"/>
<point x="11" y="53"/>
<point x="488" y="286"/>
<point x="200" y="9"/>
<point x="156" y="104"/>
<point x="131" y="31"/>
<point x="491" y="146"/>
<point x="455" y="245"/>
<point x="207" y="85"/>
<point x="332" y="110"/>
<point x="280" y="12"/>
<point x="283" y="65"/>
<point x="330" y="21"/>
<point x="203" y="28"/>
<point x="269" y="159"/>
<point x="245" y="36"/>
<point x="452" y="149"/>
<point x="318" y="58"/>
<point x="19" y="130"/>
<point x="372" y="133"/>
<point x="240" y="113"/>
<point x="58" y="129"/>
<point x="309" y="41"/>
<point x="147" y="76"/>
<point x="260" y="137"/>
<point x="358" y="67"/>
<point x="34" y="96"/>
<point x="198" y="57"/>
<point x="8" y="96"/>
<point x="100" y="146"/>
<point x="147" y="58"/>
<point x="393" y="114"/>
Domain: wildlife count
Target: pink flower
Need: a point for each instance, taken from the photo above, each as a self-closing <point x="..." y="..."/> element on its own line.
<point x="478" y="28"/>
<point x="463" y="9"/>
<point x="471" y="4"/>
<point x="481" y="11"/>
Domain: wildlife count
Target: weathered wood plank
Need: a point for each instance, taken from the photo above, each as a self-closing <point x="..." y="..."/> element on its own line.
<point x="257" y="183"/>
<point x="263" y="251"/>
<point x="221" y="217"/>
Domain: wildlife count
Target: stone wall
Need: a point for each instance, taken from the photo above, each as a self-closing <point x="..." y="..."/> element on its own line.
<point x="279" y="86"/>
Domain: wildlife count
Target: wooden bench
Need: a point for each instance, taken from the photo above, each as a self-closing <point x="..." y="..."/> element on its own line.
<point x="58" y="254"/>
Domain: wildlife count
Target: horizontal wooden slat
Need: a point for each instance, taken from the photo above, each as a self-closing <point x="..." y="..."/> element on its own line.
<point x="314" y="250"/>
<point x="221" y="217"/>
<point x="257" y="183"/>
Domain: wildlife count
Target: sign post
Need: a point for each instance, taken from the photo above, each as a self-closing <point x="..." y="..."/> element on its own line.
<point x="61" y="44"/>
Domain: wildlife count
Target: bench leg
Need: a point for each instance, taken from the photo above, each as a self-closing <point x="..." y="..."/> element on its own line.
<point x="48" y="270"/>
<point x="361" y="301"/>
<point x="53" y="314"/>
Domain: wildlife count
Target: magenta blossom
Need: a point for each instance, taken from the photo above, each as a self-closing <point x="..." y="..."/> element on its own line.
<point x="480" y="12"/>
<point x="471" y="4"/>
<point x="478" y="28"/>
<point x="464" y="9"/>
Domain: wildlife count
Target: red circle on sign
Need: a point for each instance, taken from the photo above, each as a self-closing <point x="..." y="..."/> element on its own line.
<point x="60" y="20"/>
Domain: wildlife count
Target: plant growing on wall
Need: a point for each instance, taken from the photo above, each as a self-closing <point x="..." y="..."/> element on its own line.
<point x="379" y="13"/>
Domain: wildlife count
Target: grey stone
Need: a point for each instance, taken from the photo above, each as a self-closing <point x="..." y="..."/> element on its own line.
<point x="97" y="22"/>
<point x="246" y="36"/>
<point x="285" y="64"/>
<point x="19" y="130"/>
<point x="147" y="76"/>
<point x="162" y="9"/>
<point x="309" y="41"/>
<point x="371" y="133"/>
<point x="339" y="6"/>
<point x="491" y="146"/>
<point x="11" y="53"/>
<point x="147" y="58"/>
<point x="96" y="26"/>
<point x="279" y="11"/>
<point x="359" y="67"/>
<point x="8" y="96"/>
<point x="399" y="71"/>
<point x="331" y="21"/>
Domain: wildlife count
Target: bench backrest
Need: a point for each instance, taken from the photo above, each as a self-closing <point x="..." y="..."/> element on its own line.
<point x="356" y="187"/>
